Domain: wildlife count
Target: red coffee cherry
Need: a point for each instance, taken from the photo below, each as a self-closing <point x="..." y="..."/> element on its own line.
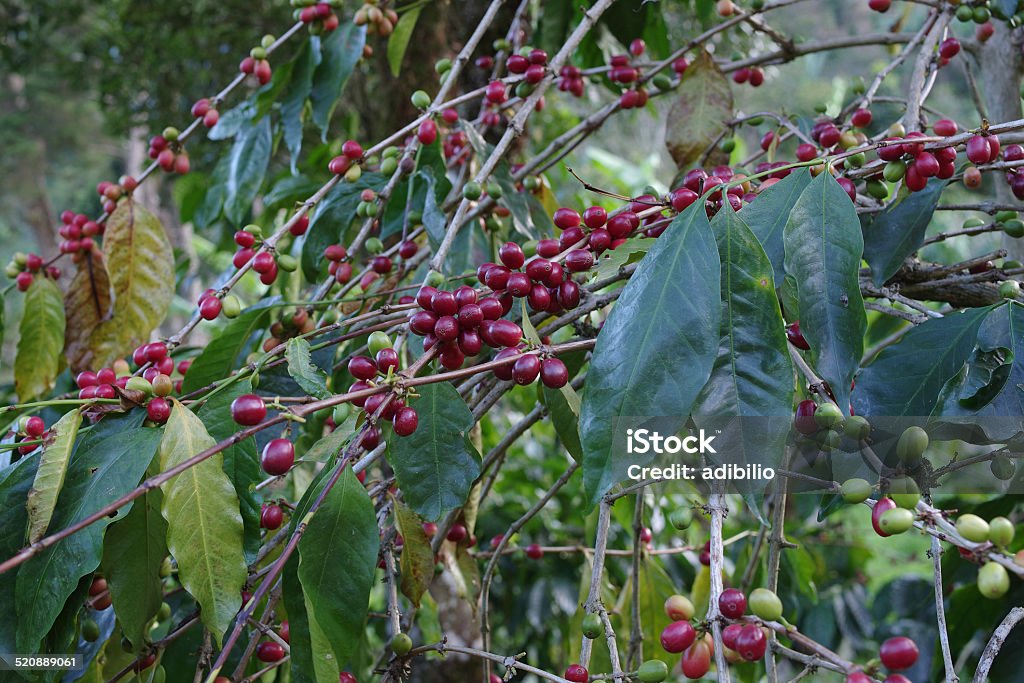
<point x="158" y="410"/>
<point x="678" y="636"/>
<point x="269" y="651"/>
<point x="525" y="369"/>
<point x="248" y="410"/>
<point x="881" y="507"/>
<point x="732" y="603"/>
<point x="795" y="337"/>
<point x="534" y="551"/>
<point x="898" y="653"/>
<point x="362" y="367"/>
<point x="278" y="457"/>
<point x="271" y="517"/>
<point x="457" y="533"/>
<point x="751" y="643"/>
<point x="405" y="421"/>
<point x="577" y="674"/>
<point x="804" y="420"/>
<point x="696" y="660"/>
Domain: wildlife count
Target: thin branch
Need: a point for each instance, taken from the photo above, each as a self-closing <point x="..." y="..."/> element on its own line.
<point x="940" y="612"/>
<point x="995" y="644"/>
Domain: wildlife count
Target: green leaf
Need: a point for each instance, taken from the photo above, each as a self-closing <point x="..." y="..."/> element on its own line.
<point x="337" y="561"/>
<point x="108" y="462"/>
<point x="654" y="586"/>
<point x="15" y="482"/>
<point x="133" y="550"/>
<point x="312" y="379"/>
<point x="398" y="42"/>
<point x="241" y="461"/>
<point x="897" y="232"/>
<point x="700" y="114"/>
<point x="512" y="198"/>
<point x="553" y="24"/>
<point x="753" y="373"/>
<point x="436" y="465"/>
<point x="204" y="527"/>
<point x="294" y="100"/>
<point x="42" y="340"/>
<point x="53" y="464"/>
<point x="247" y="165"/>
<point x="340" y="52"/>
<point x="657" y="347"/>
<point x="907" y="377"/>
<point x="87" y="303"/>
<point x="331" y="218"/>
<point x="416" y="562"/>
<point x="823" y="253"/>
<point x="211" y="207"/>
<point x="141" y="267"/>
<point x="630" y="251"/>
<point x="565" y="419"/>
<point x="767" y="215"/>
<point x="227" y="350"/>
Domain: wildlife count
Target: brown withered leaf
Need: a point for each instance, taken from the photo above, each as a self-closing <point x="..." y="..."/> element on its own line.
<point x="701" y="112"/>
<point x="86" y="304"/>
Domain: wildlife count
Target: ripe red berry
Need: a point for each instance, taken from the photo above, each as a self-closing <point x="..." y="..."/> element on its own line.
<point x="751" y="643"/>
<point x="525" y="369"/>
<point x="381" y="264"/>
<point x="210" y="307"/>
<point x="158" y="410"/>
<point x="729" y="635"/>
<point x="577" y="674"/>
<point x="978" y="150"/>
<point x="269" y="651"/>
<point x="362" y="367"/>
<point x="386" y="358"/>
<point x="352" y="149"/>
<point x="881" y="507"/>
<point x="804" y="420"/>
<point x="732" y="603"/>
<point x="271" y="517"/>
<point x="579" y="260"/>
<point x="278" y="457"/>
<point x="23" y="280"/>
<point x="795" y="337"/>
<point x="534" y="551"/>
<point x="696" y="660"/>
<point x="511" y="254"/>
<point x="405" y="421"/>
<point x="566" y="218"/>
<point x="678" y="636"/>
<point x="457" y="533"/>
<point x="861" y="118"/>
<point x="427" y="132"/>
<point x="505" y="333"/>
<point x="859" y="677"/>
<point x="407" y="249"/>
<point x="248" y="410"/>
<point x="346" y="677"/>
<point x="34" y="426"/>
<point x="898" y="653"/>
<point x="949" y="48"/>
<point x="879" y="5"/>
<point x="637" y="47"/>
<point x="263" y="262"/>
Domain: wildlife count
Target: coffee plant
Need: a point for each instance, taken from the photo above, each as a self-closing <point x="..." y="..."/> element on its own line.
<point x="398" y="434"/>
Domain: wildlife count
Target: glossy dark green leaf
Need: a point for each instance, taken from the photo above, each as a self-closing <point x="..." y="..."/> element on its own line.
<point x="293" y="101"/>
<point x="554" y="24"/>
<point x="233" y="120"/>
<point x="133" y="550"/>
<point x="340" y="51"/>
<point x="767" y="215"/>
<point x="15" y="482"/>
<point x="331" y="218"/>
<point x="227" y="350"/>
<point x="398" y="42"/>
<point x="241" y="461"/>
<point x="211" y="207"/>
<point x="897" y="232"/>
<point x="247" y="164"/>
<point x="436" y="465"/>
<point x="657" y="347"/>
<point x="109" y="461"/>
<point x="42" y="340"/>
<point x="309" y="377"/>
<point x="922" y="362"/>
<point x="290" y="189"/>
<point x="337" y="561"/>
<point x="416" y="563"/>
<point x="823" y="254"/>
<point x="564" y="420"/>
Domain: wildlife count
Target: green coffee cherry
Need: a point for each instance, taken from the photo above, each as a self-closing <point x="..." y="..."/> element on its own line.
<point x="1009" y="289"/>
<point x="896" y="521"/>
<point x="435" y="279"/>
<point x="90" y="630"/>
<point x="341" y="413"/>
<point x="258" y="52"/>
<point x="1014" y="227"/>
<point x="388" y="166"/>
<point x="472" y="190"/>
<point x="139" y="384"/>
<point x="877" y="189"/>
<point x="993" y="580"/>
<point x="443" y="65"/>
<point x="354" y="173"/>
<point x="973" y="528"/>
<point x="972" y="223"/>
<point x="170" y="133"/>
<point x="401" y="644"/>
<point x="420" y="99"/>
<point x="1010" y="264"/>
<point x="965" y="13"/>
<point x="859" y="87"/>
<point x="755" y="120"/>
<point x="728" y="145"/>
<point x="894" y="171"/>
<point x="830" y="440"/>
<point x="494" y="190"/>
<point x="231" y="306"/>
<point x="905" y="493"/>
<point x="652" y="671"/>
<point x="662" y="82"/>
<point x="765" y="604"/>
<point x="1001" y="531"/>
<point x="757" y="5"/>
<point x="592" y="626"/>
<point x="912" y="444"/>
<point x="1003" y="216"/>
<point x="379" y="340"/>
<point x="856" y="427"/>
<point x="524" y="89"/>
<point x="1002" y="467"/>
<point x="415" y="217"/>
<point x="374" y="246"/>
<point x="501" y="45"/>
<point x="828" y="416"/>
<point x="856" y="160"/>
<point x="681" y="518"/>
<point x="981" y="14"/>
<point x="855" y="490"/>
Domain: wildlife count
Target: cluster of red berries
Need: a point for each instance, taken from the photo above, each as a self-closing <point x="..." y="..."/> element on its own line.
<point x="319" y="17"/>
<point x="367" y="371"/>
<point x="23" y="268"/>
<point x="99" y="593"/>
<point x="752" y="75"/>
<point x="681" y="637"/>
<point x="1015" y="176"/>
<point x="351" y="153"/>
<point x="169" y="152"/>
<point x="31" y="428"/>
<point x="337" y="262"/>
<point x="460" y="323"/>
<point x="623" y="72"/>
<point x="455" y="144"/>
<point x="570" y="80"/>
<point x="256" y="64"/>
<point x="78" y="231"/>
<point x="910" y="162"/>
<point x="207" y="111"/>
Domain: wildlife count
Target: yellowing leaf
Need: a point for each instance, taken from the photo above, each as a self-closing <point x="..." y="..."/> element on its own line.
<point x="53" y="464"/>
<point x="42" y="338"/>
<point x="701" y="112"/>
<point x="204" y="525"/>
<point x="141" y="267"/>
<point x="87" y="304"/>
<point x="417" y="559"/>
